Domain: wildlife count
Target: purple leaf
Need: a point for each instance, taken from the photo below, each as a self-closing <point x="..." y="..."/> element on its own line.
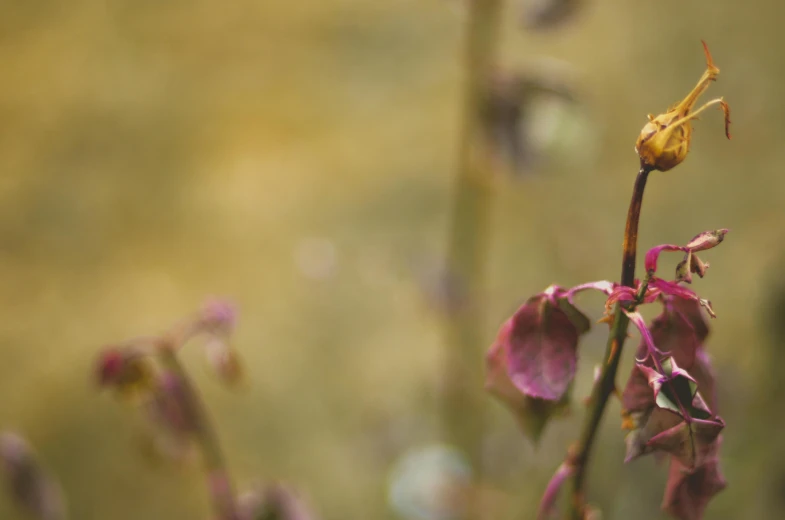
<point x="540" y="342"/>
<point x="648" y="424"/>
<point x="674" y="334"/>
<point x="638" y="396"/>
<point x="690" y="441"/>
<point x="687" y="492"/>
<point x="704" y="374"/>
<point x="532" y="414"/>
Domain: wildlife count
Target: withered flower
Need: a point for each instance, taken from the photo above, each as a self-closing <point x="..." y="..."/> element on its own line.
<point x="665" y="140"/>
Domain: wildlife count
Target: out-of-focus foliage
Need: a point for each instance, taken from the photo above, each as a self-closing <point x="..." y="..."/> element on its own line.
<point x="297" y="156"/>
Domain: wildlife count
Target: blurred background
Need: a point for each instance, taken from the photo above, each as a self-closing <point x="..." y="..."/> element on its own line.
<point x="298" y="158"/>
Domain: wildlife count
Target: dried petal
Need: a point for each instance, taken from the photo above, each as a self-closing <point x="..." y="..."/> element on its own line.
<point x="653" y="254"/>
<point x="706" y="240"/>
<point x="698" y="266"/>
<point x="676" y="290"/>
<point x="675" y="333"/>
<point x="646" y="339"/>
<point x="684" y="269"/>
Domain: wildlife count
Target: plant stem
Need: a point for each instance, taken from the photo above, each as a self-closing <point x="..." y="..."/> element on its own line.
<point x="220" y="484"/>
<point x="467" y="248"/>
<point x="606" y="384"/>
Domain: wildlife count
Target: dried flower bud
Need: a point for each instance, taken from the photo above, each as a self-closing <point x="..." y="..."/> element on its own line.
<point x="225" y="361"/>
<point x="683" y="269"/>
<point x="698" y="266"/>
<point x="665" y="140"/>
<point x="706" y="240"/>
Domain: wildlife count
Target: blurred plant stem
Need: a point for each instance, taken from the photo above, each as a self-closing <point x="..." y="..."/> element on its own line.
<point x="606" y="384"/>
<point x="219" y="482"/>
<point x="468" y="246"/>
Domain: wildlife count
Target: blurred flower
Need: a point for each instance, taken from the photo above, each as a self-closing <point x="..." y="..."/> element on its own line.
<point x="218" y="317"/>
<point x="507" y="129"/>
<point x="665" y="140"/>
<point x="126" y="370"/>
<point x="224" y="360"/>
<point x="430" y="483"/>
<point x="31" y="487"/>
<point x="274" y="502"/>
<point x="544" y="14"/>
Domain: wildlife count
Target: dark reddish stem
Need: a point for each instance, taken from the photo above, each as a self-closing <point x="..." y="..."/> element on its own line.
<point x="606" y="384"/>
<point x="631" y="231"/>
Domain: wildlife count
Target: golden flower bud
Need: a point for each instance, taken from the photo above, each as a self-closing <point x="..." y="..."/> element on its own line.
<point x="665" y="140"/>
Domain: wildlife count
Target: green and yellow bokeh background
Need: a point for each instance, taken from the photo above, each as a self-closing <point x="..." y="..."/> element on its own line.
<point x="298" y="157"/>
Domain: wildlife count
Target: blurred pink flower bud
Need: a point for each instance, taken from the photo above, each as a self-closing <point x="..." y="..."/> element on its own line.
<point x="31" y="487"/>
<point x="276" y="501"/>
<point x="218" y="317"/>
<point x="124" y="369"/>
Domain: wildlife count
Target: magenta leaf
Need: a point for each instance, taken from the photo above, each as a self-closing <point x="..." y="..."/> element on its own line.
<point x="678" y="333"/>
<point x="603" y="286"/>
<point x="701" y="242"/>
<point x="689" y="441"/>
<point x="704" y="374"/>
<point x="648" y="349"/>
<point x="674" y="289"/>
<point x="638" y="396"/>
<point x="666" y="413"/>
<point x="687" y="492"/>
<point x="540" y="342"/>
<point x="532" y="414"/>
